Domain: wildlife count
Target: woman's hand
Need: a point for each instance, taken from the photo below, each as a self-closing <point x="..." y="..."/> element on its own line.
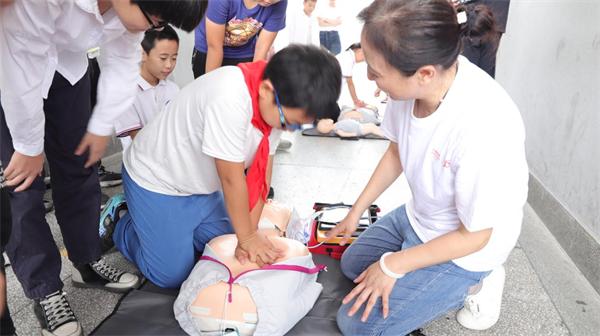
<point x="372" y="284"/>
<point x="346" y="227"/>
<point x="257" y="248"/>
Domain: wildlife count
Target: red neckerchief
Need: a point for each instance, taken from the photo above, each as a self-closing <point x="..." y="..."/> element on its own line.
<point x="256" y="177"/>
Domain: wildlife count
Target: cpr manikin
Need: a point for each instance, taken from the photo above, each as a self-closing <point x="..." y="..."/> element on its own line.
<point x="353" y="122"/>
<point x="223" y="297"/>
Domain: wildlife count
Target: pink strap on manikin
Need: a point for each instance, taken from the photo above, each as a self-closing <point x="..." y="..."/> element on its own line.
<point x="318" y="268"/>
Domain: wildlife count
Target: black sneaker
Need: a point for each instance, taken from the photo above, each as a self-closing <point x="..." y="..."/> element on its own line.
<point x="99" y="274"/>
<point x="108" y="178"/>
<point x="56" y="316"/>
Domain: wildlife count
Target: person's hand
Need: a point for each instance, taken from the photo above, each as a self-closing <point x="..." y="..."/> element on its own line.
<point x="23" y="169"/>
<point x="359" y="103"/>
<point x="345" y="227"/>
<point x="257" y="248"/>
<point x="95" y="145"/>
<point x="372" y="284"/>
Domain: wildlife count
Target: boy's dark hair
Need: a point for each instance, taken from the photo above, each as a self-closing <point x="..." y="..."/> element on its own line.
<point x="354" y="46"/>
<point x="153" y="35"/>
<point x="306" y="77"/>
<point x="184" y="14"/>
<point x="412" y="33"/>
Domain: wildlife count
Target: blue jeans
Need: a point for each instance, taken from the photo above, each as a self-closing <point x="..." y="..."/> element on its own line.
<point x="418" y="298"/>
<point x="161" y="234"/>
<point x="331" y="41"/>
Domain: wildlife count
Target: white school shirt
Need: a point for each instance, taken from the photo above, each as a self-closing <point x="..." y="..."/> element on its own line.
<point x="210" y="118"/>
<point x="328" y="12"/>
<point x="347" y="62"/>
<point x="303" y="29"/>
<point x="149" y="101"/>
<point x="39" y="38"/>
<point x="465" y="163"/>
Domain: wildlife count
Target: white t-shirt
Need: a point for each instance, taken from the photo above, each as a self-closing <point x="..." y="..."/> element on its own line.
<point x="303" y="29"/>
<point x="210" y="118"/>
<point x="149" y="101"/>
<point x="347" y="62"/>
<point x="465" y="163"/>
<point x="328" y="12"/>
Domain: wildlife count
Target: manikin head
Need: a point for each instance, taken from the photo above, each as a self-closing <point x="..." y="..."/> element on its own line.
<point x="159" y="55"/>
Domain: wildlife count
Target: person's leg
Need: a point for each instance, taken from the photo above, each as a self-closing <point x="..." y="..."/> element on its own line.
<point x="198" y="63"/>
<point x="158" y="232"/>
<point x="6" y="323"/>
<point x="417" y="298"/>
<point x="31" y="249"/>
<point x="324" y="41"/>
<point x="336" y="44"/>
<point x="75" y="189"/>
<point x="216" y="223"/>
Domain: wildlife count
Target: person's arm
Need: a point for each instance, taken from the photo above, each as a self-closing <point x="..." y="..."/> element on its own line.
<point x="373" y="283"/>
<point x="133" y="134"/>
<point x="357" y="102"/>
<point x="24" y="59"/>
<point x="387" y="171"/>
<point x="252" y="243"/>
<point x="119" y="63"/>
<point x="263" y="44"/>
<point x="215" y="37"/>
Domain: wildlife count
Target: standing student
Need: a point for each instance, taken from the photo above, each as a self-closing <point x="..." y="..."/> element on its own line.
<point x="348" y="59"/>
<point x="236" y="31"/>
<point x="459" y="140"/>
<point x="330" y="19"/>
<point x="184" y="173"/>
<point x="45" y="89"/>
<point x="303" y="26"/>
<point x="154" y="89"/>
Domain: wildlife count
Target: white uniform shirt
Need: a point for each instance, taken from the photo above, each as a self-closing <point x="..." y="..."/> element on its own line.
<point x="347" y="62"/>
<point x="303" y="29"/>
<point x="465" y="163"/>
<point x="39" y="38"/>
<point x="210" y="118"/>
<point x="328" y="12"/>
<point x="149" y="101"/>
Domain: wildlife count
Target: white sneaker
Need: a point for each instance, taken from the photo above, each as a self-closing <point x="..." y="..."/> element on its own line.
<point x="482" y="310"/>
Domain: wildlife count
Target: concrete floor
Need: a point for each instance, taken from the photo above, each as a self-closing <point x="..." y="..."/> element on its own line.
<point x="545" y="294"/>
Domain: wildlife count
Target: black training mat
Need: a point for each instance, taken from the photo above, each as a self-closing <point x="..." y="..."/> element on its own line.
<point x="313" y="132"/>
<point x="149" y="310"/>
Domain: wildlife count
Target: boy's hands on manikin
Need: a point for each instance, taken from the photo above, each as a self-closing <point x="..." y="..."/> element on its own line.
<point x="257" y="248"/>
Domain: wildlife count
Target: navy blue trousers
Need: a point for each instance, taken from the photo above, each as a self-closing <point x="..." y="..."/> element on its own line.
<point x="75" y="190"/>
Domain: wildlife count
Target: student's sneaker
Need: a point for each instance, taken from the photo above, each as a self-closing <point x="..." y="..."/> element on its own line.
<point x="56" y="316"/>
<point x="110" y="215"/>
<point x="108" y="178"/>
<point x="482" y="309"/>
<point x="99" y="274"/>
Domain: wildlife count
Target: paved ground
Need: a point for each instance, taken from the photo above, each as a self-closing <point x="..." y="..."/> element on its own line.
<point x="545" y="294"/>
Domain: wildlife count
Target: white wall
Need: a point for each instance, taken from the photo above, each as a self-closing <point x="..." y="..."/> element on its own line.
<point x="549" y="62"/>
